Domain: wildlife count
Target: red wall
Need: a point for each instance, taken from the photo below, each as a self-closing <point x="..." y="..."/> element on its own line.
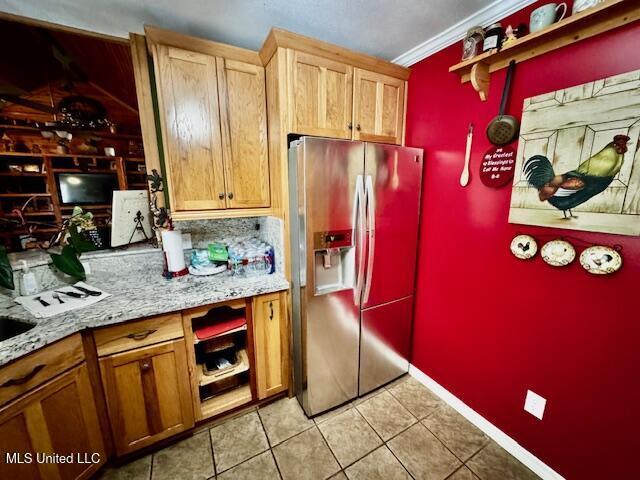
<point x="488" y="326"/>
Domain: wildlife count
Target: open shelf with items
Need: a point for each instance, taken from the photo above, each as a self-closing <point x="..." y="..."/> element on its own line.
<point x="220" y="354"/>
<point x="136" y="173"/>
<point x="606" y="16"/>
<point x="242" y="365"/>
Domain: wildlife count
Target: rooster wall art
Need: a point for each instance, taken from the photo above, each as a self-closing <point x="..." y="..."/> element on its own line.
<point x="578" y="160"/>
<point x="573" y="188"/>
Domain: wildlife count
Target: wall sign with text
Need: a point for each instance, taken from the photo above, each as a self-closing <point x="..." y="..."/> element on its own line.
<point x="497" y="166"/>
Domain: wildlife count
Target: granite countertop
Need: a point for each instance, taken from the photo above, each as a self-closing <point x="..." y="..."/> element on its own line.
<point x="135" y="294"/>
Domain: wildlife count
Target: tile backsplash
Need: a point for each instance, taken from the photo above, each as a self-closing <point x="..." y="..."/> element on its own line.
<point x="204" y="232"/>
<point x="267" y="229"/>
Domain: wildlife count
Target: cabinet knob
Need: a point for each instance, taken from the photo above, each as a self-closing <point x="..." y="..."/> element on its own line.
<point x="350" y="126"/>
<point x="221" y="196"/>
<point x="358" y="127"/>
<point x="230" y="195"/>
<point x="270" y="310"/>
<point x="145" y="366"/>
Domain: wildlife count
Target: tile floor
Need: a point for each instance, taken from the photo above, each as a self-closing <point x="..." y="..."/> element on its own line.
<point x="401" y="431"/>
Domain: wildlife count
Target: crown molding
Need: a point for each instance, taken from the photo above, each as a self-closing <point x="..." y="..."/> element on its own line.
<point x="488" y="15"/>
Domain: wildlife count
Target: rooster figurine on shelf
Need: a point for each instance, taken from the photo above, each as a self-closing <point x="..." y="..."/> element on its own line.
<point x="573" y="188"/>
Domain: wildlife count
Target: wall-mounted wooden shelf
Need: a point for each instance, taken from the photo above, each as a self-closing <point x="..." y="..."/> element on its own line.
<point x="22" y="174"/>
<point x="594" y="21"/>
<point x="23" y="195"/>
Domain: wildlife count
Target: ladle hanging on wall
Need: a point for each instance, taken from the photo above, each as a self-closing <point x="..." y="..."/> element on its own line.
<point x="504" y="129"/>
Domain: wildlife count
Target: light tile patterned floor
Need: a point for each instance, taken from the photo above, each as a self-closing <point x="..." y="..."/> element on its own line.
<point x="402" y="431"/>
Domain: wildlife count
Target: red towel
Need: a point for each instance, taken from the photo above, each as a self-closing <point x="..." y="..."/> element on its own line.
<point x="221" y="321"/>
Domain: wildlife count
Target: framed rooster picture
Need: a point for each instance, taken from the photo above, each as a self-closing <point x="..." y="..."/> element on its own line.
<point x="578" y="159"/>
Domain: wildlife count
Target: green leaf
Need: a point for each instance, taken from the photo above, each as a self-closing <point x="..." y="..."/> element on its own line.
<point x="78" y="242"/>
<point x="67" y="262"/>
<point x="6" y="272"/>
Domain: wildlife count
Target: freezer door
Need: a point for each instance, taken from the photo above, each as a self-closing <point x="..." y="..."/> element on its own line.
<point x="328" y="315"/>
<point x="393" y="176"/>
<point x="385" y="343"/>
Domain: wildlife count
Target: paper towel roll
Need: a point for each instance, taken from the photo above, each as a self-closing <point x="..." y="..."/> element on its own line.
<point x="172" y="245"/>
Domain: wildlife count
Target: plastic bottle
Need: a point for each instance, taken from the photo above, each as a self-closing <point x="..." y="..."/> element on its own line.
<point x="28" y="282"/>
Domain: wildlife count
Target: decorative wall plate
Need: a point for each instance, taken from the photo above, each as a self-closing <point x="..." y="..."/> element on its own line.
<point x="524" y="247"/>
<point x="600" y="260"/>
<point x="558" y="253"/>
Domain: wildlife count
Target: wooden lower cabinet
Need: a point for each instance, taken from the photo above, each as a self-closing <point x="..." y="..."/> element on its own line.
<point x="148" y="394"/>
<point x="271" y="344"/>
<point x="58" y="417"/>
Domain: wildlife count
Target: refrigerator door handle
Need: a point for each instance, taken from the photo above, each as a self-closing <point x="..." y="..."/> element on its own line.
<point x="371" y="220"/>
<point x="359" y="234"/>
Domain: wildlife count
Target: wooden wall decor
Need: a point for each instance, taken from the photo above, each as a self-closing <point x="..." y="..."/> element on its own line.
<point x="578" y="160"/>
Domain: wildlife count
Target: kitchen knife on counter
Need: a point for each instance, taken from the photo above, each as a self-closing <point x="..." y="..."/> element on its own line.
<point x="72" y="294"/>
<point x="93" y="293"/>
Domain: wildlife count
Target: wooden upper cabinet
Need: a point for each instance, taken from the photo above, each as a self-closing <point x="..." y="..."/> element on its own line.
<point x="148" y="394"/>
<point x="321" y="95"/>
<point x="213" y="113"/>
<point x="243" y="114"/>
<point x="190" y="120"/>
<point x="379" y="107"/>
<point x="58" y="417"/>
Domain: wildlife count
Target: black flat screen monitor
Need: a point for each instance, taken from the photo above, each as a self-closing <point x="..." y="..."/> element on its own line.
<point x="87" y="188"/>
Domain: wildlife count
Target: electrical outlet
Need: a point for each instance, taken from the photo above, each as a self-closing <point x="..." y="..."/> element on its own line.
<point x="535" y="404"/>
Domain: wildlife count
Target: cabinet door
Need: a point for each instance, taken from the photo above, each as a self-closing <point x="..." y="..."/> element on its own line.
<point x="148" y="394"/>
<point x="59" y="417"/>
<point x="379" y="107"/>
<point x="271" y="344"/>
<point x="243" y="114"/>
<point x="190" y="120"/>
<point x="321" y="96"/>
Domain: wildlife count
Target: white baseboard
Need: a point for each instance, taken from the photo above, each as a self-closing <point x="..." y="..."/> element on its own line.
<point x="505" y="441"/>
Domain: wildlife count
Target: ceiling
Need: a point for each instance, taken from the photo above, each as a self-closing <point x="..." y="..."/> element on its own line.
<point x="45" y="66"/>
<point x="382" y="28"/>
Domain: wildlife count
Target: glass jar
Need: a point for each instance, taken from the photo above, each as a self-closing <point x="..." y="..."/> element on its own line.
<point x="472" y="43"/>
<point x="493" y="37"/>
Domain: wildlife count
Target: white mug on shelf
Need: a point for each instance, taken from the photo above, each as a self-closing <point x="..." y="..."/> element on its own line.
<point x="546" y="15"/>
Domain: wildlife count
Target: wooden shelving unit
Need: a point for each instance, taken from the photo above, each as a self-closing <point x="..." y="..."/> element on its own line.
<point x="230" y="388"/>
<point x="16" y="187"/>
<point x="101" y="134"/>
<point x="593" y="21"/>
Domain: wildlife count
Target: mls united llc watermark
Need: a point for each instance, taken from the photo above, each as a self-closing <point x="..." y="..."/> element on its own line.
<point x="28" y="457"/>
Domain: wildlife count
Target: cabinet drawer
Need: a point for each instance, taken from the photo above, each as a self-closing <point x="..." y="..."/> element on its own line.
<point x="39" y="366"/>
<point x="127" y="336"/>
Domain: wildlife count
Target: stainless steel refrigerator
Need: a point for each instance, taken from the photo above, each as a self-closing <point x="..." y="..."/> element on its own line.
<point x="354" y="230"/>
